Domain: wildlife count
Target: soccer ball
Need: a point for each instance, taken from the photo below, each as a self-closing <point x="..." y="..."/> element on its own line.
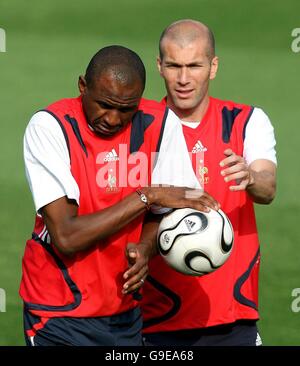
<point x="194" y="242"/>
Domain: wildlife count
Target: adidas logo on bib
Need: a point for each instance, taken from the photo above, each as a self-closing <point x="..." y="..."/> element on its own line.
<point x="111" y="156"/>
<point x="198" y="147"/>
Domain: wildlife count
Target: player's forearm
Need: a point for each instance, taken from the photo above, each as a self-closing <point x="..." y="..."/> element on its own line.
<point x="262" y="188"/>
<point x="149" y="234"/>
<point x="73" y="233"/>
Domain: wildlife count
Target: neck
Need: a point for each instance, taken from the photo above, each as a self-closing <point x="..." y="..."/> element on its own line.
<point x="190" y="115"/>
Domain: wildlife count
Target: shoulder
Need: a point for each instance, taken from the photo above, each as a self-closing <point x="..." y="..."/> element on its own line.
<point x="63" y="104"/>
<point x="43" y="128"/>
<point x="259" y="114"/>
<point x="258" y="120"/>
<point x="62" y="107"/>
<point x="50" y="117"/>
<point x="45" y="116"/>
<point x="43" y="120"/>
<point x="239" y="114"/>
<point x="229" y="104"/>
<point x="148" y="105"/>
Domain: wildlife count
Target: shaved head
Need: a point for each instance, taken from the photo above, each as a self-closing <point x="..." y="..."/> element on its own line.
<point x="186" y="31"/>
<point x="121" y="63"/>
<point x="187" y="63"/>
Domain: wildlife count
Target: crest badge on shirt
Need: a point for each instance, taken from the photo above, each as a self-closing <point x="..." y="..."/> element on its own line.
<point x="112" y="179"/>
<point x="202" y="170"/>
<point x="203" y="173"/>
<point x="111" y="159"/>
<point x="111" y="183"/>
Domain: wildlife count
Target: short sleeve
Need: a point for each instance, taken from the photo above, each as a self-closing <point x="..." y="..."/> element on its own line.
<point x="47" y="161"/>
<point x="259" y="140"/>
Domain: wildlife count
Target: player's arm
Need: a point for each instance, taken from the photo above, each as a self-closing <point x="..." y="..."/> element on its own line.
<point x="262" y="182"/>
<point x="138" y="255"/>
<point x="71" y="233"/>
<point x="255" y="171"/>
<point x="258" y="179"/>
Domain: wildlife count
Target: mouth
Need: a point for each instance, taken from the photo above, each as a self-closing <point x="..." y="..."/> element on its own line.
<point x="184" y="93"/>
<point x="104" y="130"/>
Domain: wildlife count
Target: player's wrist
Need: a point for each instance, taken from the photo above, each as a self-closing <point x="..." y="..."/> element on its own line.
<point x="149" y="248"/>
<point x="144" y="196"/>
<point x="150" y="193"/>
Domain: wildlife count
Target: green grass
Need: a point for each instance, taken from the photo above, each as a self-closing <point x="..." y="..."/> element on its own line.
<point x="49" y="44"/>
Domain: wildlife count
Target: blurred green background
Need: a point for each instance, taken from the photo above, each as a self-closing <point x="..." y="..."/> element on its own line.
<point x="49" y="43"/>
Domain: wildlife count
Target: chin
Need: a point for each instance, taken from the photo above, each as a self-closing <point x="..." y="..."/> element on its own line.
<point x="185" y="105"/>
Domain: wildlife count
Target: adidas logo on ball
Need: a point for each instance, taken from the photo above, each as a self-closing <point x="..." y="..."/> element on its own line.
<point x="189" y="224"/>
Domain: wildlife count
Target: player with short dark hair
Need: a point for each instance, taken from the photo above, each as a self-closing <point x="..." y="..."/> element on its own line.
<point x="234" y="160"/>
<point x="88" y="164"/>
<point x="125" y="64"/>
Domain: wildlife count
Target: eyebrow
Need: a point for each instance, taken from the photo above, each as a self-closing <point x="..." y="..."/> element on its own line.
<point x="116" y="105"/>
<point x="194" y="63"/>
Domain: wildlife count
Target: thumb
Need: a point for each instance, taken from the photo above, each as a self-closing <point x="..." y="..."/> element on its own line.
<point x="228" y="152"/>
<point x="131" y="252"/>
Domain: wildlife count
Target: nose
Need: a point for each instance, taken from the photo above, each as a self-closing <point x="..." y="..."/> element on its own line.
<point x="112" y="118"/>
<point x="183" y="76"/>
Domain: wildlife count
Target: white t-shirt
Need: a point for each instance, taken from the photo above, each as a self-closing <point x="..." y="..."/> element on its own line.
<point x="47" y="161"/>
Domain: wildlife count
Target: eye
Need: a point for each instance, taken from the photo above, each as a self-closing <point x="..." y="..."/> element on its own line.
<point x="195" y="66"/>
<point x="127" y="109"/>
<point x="104" y="105"/>
<point x="173" y="66"/>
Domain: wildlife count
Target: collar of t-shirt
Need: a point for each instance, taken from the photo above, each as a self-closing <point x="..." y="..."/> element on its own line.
<point x="190" y="124"/>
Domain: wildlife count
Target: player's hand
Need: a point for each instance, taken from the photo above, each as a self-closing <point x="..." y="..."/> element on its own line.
<point x="181" y="197"/>
<point x="138" y="257"/>
<point x="236" y="169"/>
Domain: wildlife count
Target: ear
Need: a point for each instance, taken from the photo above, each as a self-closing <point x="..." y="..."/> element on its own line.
<point x="82" y="84"/>
<point x="214" y="67"/>
<point x="159" y="62"/>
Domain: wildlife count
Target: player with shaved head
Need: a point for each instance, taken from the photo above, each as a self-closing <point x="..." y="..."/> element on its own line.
<point x="233" y="156"/>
